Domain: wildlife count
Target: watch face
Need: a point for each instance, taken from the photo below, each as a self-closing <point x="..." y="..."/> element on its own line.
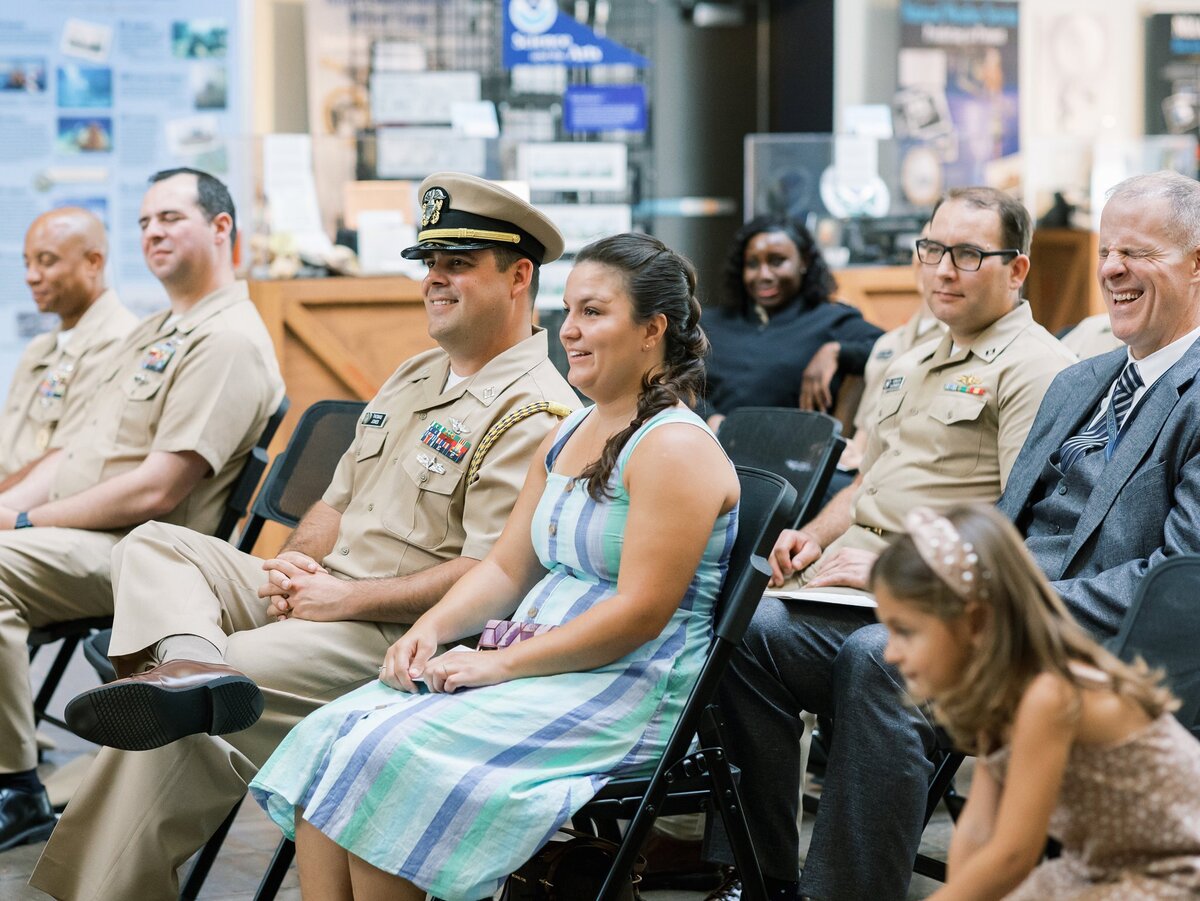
<point x="921" y="176"/>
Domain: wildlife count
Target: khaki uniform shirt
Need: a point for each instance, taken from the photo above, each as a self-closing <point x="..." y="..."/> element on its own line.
<point x="46" y="373"/>
<point x="1092" y="337"/>
<point x="402" y="486"/>
<point x="920" y="330"/>
<point x="206" y="383"/>
<point x="950" y="424"/>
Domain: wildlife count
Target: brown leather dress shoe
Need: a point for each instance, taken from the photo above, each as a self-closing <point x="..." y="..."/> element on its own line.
<point x="162" y="705"/>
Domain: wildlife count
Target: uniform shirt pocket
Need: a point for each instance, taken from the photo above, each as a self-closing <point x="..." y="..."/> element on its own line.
<point x="424" y="498"/>
<point x="889" y="404"/>
<point x="959" y="432"/>
<point x="370" y="444"/>
<point x="141" y="410"/>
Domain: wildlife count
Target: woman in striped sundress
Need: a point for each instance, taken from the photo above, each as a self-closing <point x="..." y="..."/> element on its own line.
<point x="445" y="787"/>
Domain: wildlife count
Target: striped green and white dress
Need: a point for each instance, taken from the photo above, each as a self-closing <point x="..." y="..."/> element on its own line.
<point x="454" y="792"/>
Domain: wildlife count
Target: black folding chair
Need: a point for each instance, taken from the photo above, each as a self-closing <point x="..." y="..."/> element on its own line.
<point x="72" y="632"/>
<point x="799" y="445"/>
<point x="296" y="481"/>
<point x="703" y="780"/>
<point x="1163" y="629"/>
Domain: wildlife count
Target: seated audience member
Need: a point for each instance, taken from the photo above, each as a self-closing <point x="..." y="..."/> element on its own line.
<point x="1070" y="740"/>
<point x="948" y="429"/>
<point x="180" y="404"/>
<point x="539" y="726"/>
<point x="397" y="526"/>
<point x="65" y="253"/>
<point x="777" y="338"/>
<point x="1091" y="337"/>
<point x="921" y="329"/>
<point x="1098" y="500"/>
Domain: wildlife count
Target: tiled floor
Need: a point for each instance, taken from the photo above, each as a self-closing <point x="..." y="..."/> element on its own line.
<point x="248" y="849"/>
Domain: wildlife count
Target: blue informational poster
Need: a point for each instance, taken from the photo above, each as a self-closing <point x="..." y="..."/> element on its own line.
<point x="536" y="33"/>
<point x="95" y="95"/>
<point x="606" y="107"/>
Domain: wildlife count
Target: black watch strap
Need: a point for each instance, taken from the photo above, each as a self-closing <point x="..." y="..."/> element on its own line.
<point x="23" y="521"/>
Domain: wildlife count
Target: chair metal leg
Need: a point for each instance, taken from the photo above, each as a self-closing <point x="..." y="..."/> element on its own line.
<point x="50" y="684"/>
<point x="273" y="878"/>
<point x="208" y="856"/>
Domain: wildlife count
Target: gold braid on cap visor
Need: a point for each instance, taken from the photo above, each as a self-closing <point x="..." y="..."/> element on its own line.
<point x="953" y="560"/>
<point x="446" y="234"/>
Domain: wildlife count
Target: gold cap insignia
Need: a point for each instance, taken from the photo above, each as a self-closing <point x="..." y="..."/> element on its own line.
<point x="431" y="206"/>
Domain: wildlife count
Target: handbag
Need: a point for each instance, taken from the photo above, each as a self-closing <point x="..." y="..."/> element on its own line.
<point x="500" y="633"/>
<point x="573" y="870"/>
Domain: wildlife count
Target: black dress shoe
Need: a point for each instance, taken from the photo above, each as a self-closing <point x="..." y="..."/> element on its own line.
<point x="730" y="888"/>
<point x="175" y="699"/>
<point x="25" y="817"/>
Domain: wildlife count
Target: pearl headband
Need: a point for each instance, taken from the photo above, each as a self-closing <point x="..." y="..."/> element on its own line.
<point x="953" y="560"/>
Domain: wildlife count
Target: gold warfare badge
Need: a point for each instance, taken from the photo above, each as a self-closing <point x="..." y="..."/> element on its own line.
<point x="431" y="206"/>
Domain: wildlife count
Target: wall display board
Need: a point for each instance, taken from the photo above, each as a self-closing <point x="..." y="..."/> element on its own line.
<point x="1172" y="73"/>
<point x="958" y="89"/>
<point x="95" y="95"/>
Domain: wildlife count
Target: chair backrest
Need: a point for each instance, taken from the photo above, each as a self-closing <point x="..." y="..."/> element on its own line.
<point x="767" y="500"/>
<point x="300" y="475"/>
<point x="1163" y="628"/>
<point x="799" y="445"/>
<point x="252" y="470"/>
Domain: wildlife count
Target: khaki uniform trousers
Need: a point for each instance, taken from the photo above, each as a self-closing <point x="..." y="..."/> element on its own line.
<point x="47" y="576"/>
<point x="139" y="815"/>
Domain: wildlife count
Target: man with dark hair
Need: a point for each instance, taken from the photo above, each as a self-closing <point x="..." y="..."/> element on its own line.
<point x="951" y="419"/>
<point x="182" y="401"/>
<point x="212" y="196"/>
<point x="439" y="457"/>
<point x="65" y="253"/>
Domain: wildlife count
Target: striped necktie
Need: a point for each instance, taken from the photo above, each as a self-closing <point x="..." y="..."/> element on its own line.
<point x="1103" y="429"/>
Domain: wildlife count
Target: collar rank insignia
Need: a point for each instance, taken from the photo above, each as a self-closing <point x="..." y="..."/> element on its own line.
<point x="431" y="464"/>
<point x="894" y="383"/>
<point x="966" y="384"/>
<point x="431" y="206"/>
<point x="374" y="420"/>
<point x="446" y="442"/>
<point x="159" y="355"/>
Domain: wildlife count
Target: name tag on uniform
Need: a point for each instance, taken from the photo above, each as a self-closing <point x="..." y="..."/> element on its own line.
<point x="885" y="354"/>
<point x="159" y="355"/>
<point x="894" y="383"/>
<point x="375" y="420"/>
<point x="446" y="442"/>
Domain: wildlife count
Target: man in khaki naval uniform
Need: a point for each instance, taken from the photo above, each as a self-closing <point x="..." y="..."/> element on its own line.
<point x="65" y="253"/>
<point x="1092" y="336"/>
<point x="948" y="430"/>
<point x="405" y="516"/>
<point x="182" y="402"/>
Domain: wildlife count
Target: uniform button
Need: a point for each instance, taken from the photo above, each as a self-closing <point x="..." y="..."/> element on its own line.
<point x="553" y="528"/>
<point x="872" y="490"/>
<point x="913" y="412"/>
<point x="344" y="551"/>
<point x="533" y="611"/>
<point x="896" y="452"/>
<point x="423" y="478"/>
<point x="1055" y="529"/>
<point x="420" y="416"/>
<point x="370" y="507"/>
<point x="1062" y="489"/>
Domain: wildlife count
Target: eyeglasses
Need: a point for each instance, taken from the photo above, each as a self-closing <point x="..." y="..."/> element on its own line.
<point x="966" y="257"/>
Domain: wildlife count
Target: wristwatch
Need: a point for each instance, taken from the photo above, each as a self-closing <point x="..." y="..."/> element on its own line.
<point x="23" y="521"/>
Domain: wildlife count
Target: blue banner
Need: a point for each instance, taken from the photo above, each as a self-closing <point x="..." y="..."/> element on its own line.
<point x="537" y="34"/>
<point x="607" y="107"/>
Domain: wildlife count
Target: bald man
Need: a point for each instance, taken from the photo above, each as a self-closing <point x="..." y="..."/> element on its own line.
<point x="65" y="253"/>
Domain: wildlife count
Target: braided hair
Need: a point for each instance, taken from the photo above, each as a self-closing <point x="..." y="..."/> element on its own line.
<point x="657" y="280"/>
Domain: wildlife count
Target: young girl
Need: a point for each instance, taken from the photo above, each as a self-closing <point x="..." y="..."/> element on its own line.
<point x="1071" y="740"/>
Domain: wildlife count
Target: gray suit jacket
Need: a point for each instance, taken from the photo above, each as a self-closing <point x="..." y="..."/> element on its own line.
<point x="1147" y="505"/>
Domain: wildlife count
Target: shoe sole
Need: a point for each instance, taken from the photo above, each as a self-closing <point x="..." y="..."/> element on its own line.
<point x="29" y="836"/>
<point x="136" y="716"/>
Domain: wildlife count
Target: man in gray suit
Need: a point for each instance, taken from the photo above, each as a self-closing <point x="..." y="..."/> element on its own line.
<point x="1106" y="485"/>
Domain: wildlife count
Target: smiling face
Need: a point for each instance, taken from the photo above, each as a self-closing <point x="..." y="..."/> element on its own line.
<point x="470" y="303"/>
<point x="773" y="270"/>
<point x="968" y="302"/>
<point x="931" y="653"/>
<point x="1150" y="284"/>
<point x="182" y="248"/>
<point x="63" y="271"/>
<point x="604" y="345"/>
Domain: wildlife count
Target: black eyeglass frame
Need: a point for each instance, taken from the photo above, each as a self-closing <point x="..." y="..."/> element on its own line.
<point x="923" y="243"/>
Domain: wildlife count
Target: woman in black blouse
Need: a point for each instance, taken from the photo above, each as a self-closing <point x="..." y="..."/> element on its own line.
<point x="778" y="340"/>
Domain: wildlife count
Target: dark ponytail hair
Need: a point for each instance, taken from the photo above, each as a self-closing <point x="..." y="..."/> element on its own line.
<point x="657" y="280"/>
